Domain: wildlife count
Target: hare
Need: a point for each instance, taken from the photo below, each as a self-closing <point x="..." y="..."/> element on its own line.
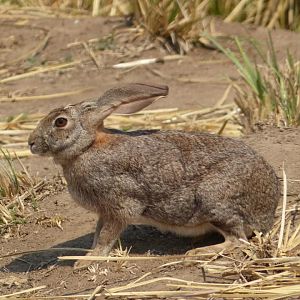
<point x="188" y="183"/>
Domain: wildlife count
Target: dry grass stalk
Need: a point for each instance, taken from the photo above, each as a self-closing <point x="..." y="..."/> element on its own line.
<point x="42" y="97"/>
<point x="280" y="239"/>
<point x="95" y="292"/>
<point x="14" y="254"/>
<point x="147" y="61"/>
<point x="92" y="55"/>
<point x="123" y="258"/>
<point x="19" y="153"/>
<point x="39" y="71"/>
<point x="236" y="11"/>
<point x="27" y="291"/>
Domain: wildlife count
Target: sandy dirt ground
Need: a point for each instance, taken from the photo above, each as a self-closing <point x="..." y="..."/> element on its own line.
<point x="197" y="80"/>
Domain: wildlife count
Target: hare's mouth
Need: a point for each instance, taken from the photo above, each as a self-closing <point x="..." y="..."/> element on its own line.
<point x="37" y="148"/>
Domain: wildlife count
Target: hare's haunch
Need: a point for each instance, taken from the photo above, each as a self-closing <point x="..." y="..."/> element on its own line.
<point x="185" y="182"/>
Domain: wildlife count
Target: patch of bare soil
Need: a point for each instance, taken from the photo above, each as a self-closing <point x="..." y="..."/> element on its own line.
<point x="196" y="80"/>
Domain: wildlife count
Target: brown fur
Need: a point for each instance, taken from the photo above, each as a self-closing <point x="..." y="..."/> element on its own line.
<point x="103" y="139"/>
<point x="188" y="183"/>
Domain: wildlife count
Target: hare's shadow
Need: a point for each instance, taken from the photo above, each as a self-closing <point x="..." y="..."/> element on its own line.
<point x="139" y="239"/>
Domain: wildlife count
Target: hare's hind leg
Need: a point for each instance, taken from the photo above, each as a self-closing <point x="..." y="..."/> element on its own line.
<point x="231" y="242"/>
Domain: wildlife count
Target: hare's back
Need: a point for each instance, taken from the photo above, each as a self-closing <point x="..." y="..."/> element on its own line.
<point x="170" y="160"/>
<point x="190" y="144"/>
<point x="191" y="151"/>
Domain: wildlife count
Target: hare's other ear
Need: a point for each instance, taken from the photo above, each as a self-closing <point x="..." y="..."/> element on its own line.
<point x="125" y="99"/>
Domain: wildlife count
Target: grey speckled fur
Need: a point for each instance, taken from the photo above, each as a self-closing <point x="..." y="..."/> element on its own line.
<point x="177" y="181"/>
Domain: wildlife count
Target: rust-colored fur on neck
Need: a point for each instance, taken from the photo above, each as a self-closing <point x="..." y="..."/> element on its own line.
<point x="103" y="139"/>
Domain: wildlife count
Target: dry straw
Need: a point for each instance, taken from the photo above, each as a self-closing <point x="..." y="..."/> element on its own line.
<point x="39" y="71"/>
<point x="42" y="97"/>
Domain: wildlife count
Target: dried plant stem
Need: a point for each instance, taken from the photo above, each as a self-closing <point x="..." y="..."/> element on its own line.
<point x="44" y="250"/>
<point x="236" y="11"/>
<point x="39" y="71"/>
<point x="281" y="233"/>
<point x="92" y="55"/>
<point x="8" y="296"/>
<point x="20" y="153"/>
<point x="125" y="258"/>
<point x="95" y="292"/>
<point x="43" y="97"/>
<point x="147" y="61"/>
<point x="96" y="7"/>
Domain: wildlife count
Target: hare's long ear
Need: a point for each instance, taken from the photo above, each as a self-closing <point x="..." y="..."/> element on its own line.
<point x="126" y="99"/>
<point x="130" y="98"/>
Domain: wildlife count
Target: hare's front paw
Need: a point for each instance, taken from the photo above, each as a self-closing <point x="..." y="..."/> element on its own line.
<point x="85" y="263"/>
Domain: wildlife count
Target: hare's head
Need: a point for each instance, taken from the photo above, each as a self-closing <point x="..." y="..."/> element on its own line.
<point x="68" y="131"/>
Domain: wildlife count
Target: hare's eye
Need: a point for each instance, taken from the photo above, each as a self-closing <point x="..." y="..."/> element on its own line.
<point x="60" y="122"/>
